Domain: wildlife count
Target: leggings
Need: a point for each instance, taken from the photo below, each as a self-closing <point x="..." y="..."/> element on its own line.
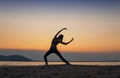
<point x="57" y="53"/>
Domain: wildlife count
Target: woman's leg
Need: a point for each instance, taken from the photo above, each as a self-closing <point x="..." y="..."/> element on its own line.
<point x="45" y="57"/>
<point x="62" y="58"/>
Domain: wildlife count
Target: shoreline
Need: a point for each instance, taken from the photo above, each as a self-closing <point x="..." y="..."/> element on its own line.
<point x="60" y="71"/>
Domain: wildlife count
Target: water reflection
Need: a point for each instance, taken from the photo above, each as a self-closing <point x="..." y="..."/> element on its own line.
<point x="7" y="63"/>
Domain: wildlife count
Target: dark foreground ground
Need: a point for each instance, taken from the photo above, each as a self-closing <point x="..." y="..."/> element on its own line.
<point x="60" y="71"/>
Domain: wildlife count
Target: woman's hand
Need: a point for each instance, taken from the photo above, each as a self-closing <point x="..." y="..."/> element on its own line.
<point x="64" y="29"/>
<point x="71" y="40"/>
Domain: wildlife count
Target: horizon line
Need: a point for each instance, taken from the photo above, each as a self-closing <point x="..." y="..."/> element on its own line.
<point x="61" y="51"/>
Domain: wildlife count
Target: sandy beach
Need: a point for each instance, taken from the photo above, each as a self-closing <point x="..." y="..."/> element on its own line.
<point x="60" y="71"/>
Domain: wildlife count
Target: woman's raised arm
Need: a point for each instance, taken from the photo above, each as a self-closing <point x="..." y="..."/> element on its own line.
<point x="60" y="31"/>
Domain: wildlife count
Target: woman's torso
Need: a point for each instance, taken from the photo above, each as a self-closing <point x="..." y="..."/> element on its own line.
<point x="54" y="43"/>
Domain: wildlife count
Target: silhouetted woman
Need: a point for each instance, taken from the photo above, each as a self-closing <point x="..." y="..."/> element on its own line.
<point x="53" y="49"/>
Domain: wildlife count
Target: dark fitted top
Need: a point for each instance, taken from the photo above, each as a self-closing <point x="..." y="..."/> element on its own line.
<point x="55" y="42"/>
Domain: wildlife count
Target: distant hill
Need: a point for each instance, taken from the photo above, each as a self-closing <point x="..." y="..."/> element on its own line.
<point x="14" y="58"/>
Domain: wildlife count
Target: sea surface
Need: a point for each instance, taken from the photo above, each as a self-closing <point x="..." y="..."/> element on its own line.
<point x="10" y="63"/>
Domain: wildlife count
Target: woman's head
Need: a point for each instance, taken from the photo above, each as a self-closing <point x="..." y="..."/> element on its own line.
<point x="60" y="36"/>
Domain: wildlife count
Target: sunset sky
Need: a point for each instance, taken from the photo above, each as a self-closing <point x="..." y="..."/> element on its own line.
<point x="94" y="25"/>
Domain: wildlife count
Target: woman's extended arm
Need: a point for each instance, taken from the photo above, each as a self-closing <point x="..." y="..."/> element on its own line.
<point x="67" y="42"/>
<point x="60" y="31"/>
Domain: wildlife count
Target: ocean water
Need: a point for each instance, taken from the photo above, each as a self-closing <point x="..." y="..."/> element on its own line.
<point x="10" y="63"/>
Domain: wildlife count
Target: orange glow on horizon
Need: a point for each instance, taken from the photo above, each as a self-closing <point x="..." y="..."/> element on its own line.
<point x="43" y="43"/>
